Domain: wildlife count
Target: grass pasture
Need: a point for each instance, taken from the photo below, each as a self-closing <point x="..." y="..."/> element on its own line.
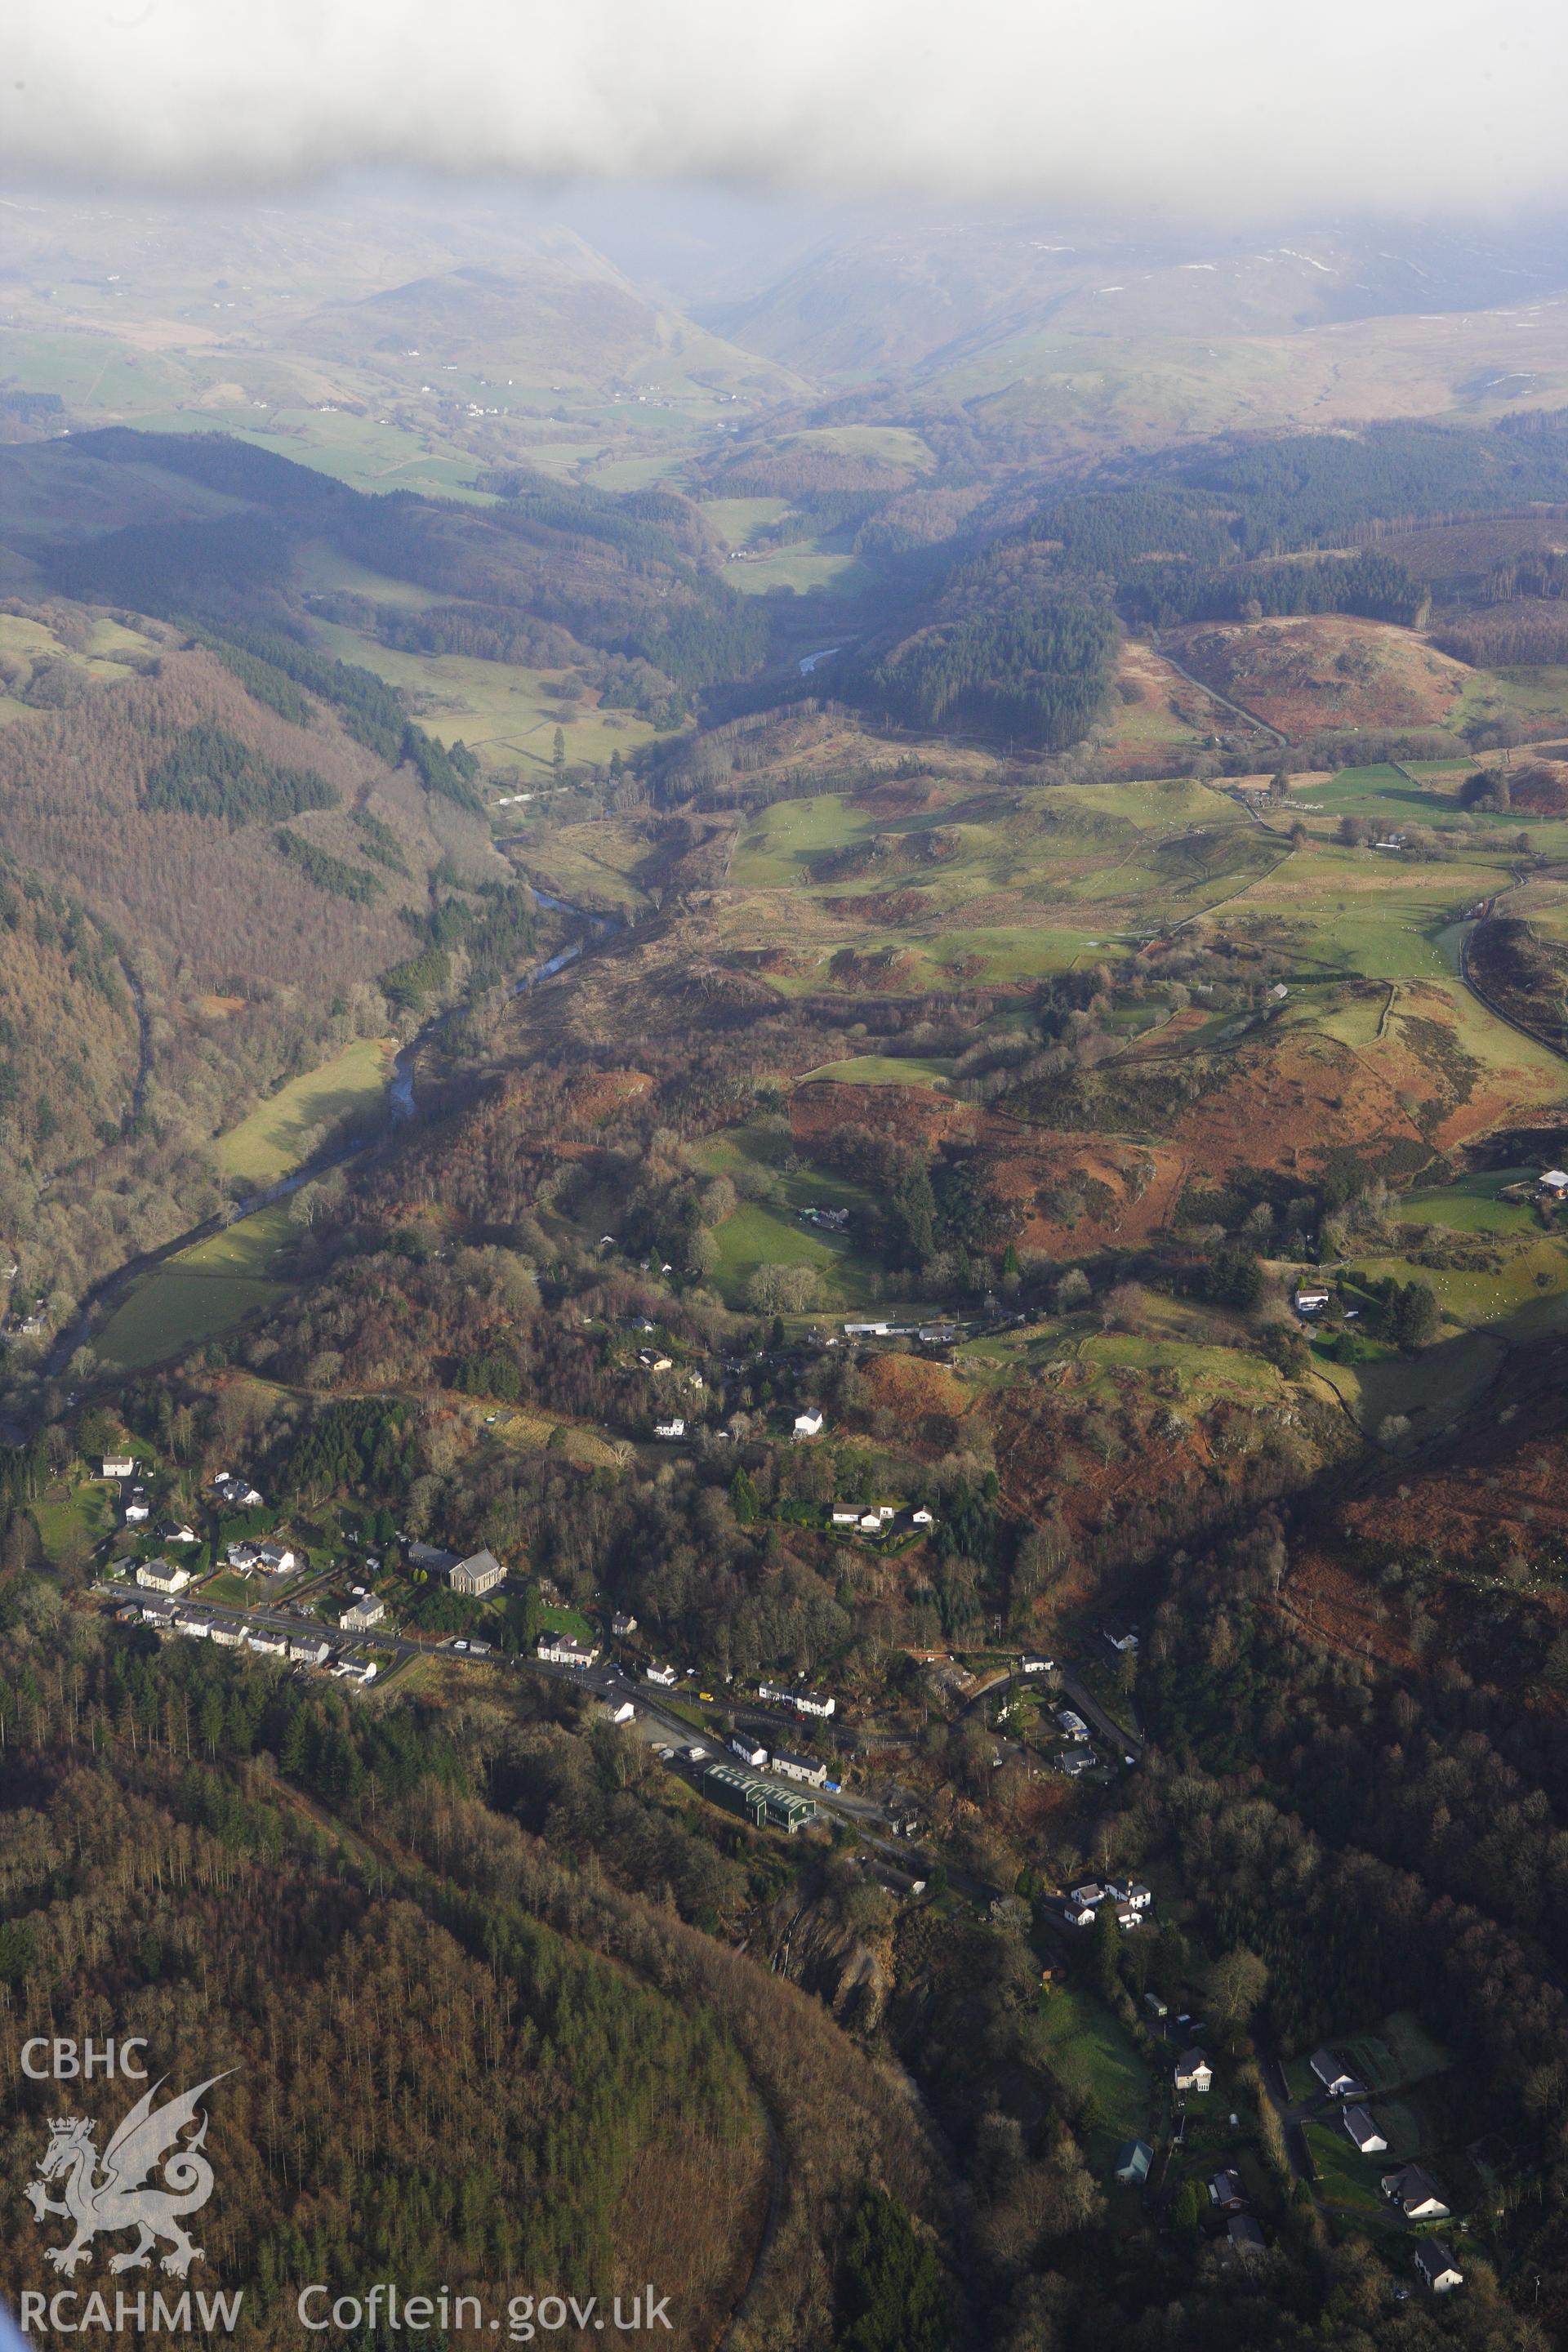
<point x="281" y="1133"/>
<point x="1414" y="2053"/>
<point x="199" y="1295"/>
<point x="1086" y="2049"/>
<point x="757" y="1236"/>
<point x="1471" y="1204"/>
<point x="885" y="1070"/>
<point x="1345" y="2177"/>
<point x="503" y="712"/>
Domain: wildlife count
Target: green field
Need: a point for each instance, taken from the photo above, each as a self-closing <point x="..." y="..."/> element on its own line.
<point x="1086" y="2049"/>
<point x="885" y="1070"/>
<point x="365" y="452"/>
<point x="738" y="521"/>
<point x="200" y="1294"/>
<point x="281" y="1133"/>
<point x="1414" y="2053"/>
<point x="504" y="712"/>
<point x="1471" y="1205"/>
<point x="756" y="1236"/>
<point x="810" y="565"/>
<point x="231" y="1591"/>
<point x="1345" y="2177"/>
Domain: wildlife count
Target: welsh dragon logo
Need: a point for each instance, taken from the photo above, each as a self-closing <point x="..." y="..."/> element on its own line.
<point x="113" y="2192"/>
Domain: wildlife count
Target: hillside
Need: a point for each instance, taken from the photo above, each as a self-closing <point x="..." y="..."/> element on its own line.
<point x="557" y="314"/>
<point x="1305" y="676"/>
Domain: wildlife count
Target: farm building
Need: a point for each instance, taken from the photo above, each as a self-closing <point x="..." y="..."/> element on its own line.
<point x="764" y="1807"/>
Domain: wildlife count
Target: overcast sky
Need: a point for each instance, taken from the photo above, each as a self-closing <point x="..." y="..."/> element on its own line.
<point x="1235" y="108"/>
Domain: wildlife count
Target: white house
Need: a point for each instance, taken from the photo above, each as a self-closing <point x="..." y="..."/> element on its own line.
<point x="846" y="1518"/>
<point x="1130" y="1891"/>
<point x="1359" y="2125"/>
<point x="118" y="1466"/>
<point x="623" y="1624"/>
<point x="799" y="1767"/>
<point x="238" y="1493"/>
<point x="1437" y="2266"/>
<point x="1080" y="1915"/>
<point x="561" y="1650"/>
<point x="1030" y="1663"/>
<point x="618" y="1710"/>
<point x="197" y="1629"/>
<point x="1555" y="1182"/>
<point x="665" y="1676"/>
<point x="361" y="1614"/>
<point x="921" y="1519"/>
<point x="1074" y="1760"/>
<point x="1335" y="2077"/>
<point x="749" y="1751"/>
<point x="228" y="1637"/>
<point x="176" y="1531"/>
<point x="1310" y="1300"/>
<point x="1193" y="2071"/>
<point x="803" y="1701"/>
<point x="809" y="1423"/>
<point x="1092" y="1894"/>
<point x="1415" y="2193"/>
<point x="162" y="1576"/>
<point x="271" y="1644"/>
<point x="277" y="1559"/>
<point x="310" y="1649"/>
<point x="669" y="1429"/>
<point x="137" y="1510"/>
<point x="242" y="1556"/>
<point x="355" y="1670"/>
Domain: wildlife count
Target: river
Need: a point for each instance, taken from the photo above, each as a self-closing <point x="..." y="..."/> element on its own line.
<point x="399" y="1105"/>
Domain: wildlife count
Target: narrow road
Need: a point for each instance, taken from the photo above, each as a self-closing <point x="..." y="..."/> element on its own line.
<point x="602" y="1681"/>
<point x="1223" y="699"/>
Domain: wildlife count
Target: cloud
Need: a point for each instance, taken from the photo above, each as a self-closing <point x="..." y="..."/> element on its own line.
<point x="1217" y="107"/>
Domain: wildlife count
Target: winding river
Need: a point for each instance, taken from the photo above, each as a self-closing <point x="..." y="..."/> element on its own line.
<point x="398" y="1105"/>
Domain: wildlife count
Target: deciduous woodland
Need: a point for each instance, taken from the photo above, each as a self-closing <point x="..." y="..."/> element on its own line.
<point x="882" y="1099"/>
